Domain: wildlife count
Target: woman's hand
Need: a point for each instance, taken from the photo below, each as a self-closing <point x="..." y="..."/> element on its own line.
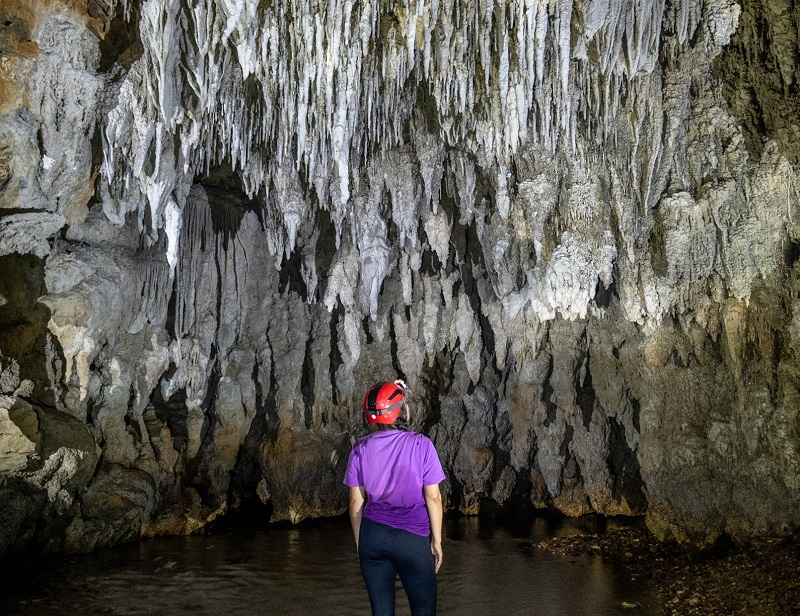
<point x="436" y="550"/>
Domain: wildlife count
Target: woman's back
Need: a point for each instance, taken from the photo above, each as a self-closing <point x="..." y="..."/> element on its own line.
<point x="394" y="466"/>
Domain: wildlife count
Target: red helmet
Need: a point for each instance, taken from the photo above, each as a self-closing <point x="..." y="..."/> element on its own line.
<point x="384" y="401"/>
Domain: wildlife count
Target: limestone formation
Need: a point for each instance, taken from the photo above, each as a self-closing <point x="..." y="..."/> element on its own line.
<point x="570" y="225"/>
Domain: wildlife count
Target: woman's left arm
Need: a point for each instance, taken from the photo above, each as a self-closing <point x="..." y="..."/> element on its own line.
<point x="433" y="502"/>
<point x="357" y="498"/>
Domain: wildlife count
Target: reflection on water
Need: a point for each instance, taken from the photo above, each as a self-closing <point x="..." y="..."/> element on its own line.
<point x="313" y="569"/>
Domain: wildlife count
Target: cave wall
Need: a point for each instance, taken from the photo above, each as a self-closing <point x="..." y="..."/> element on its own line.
<point x="570" y="226"/>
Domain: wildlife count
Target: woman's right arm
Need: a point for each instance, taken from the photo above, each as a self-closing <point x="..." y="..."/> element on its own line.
<point x="357" y="498"/>
<point x="433" y="502"/>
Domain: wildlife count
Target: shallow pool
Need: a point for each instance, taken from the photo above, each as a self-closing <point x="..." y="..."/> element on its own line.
<point x="490" y="568"/>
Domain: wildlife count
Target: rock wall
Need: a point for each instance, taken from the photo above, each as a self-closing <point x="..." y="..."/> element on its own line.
<point x="570" y="226"/>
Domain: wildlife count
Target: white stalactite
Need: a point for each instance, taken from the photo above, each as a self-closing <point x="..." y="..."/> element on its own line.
<point x="326" y="93"/>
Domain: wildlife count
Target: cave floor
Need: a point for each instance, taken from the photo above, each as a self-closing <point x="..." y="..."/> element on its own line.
<point x="761" y="579"/>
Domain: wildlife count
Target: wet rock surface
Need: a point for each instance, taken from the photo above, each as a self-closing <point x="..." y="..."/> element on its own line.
<point x="761" y="578"/>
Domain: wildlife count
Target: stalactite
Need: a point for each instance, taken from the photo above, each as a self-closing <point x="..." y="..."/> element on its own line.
<point x="319" y="99"/>
<point x="197" y="238"/>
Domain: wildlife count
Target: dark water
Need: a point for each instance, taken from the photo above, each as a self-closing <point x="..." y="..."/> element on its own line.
<point x="489" y="569"/>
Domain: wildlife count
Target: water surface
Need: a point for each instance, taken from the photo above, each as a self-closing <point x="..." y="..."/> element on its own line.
<point x="312" y="569"/>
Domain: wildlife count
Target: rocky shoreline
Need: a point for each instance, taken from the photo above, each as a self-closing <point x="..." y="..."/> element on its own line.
<point x="758" y="579"/>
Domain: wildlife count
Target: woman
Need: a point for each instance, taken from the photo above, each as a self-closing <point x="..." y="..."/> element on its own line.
<point x="395" y="505"/>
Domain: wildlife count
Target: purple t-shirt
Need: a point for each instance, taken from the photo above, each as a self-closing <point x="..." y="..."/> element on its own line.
<point x="393" y="466"/>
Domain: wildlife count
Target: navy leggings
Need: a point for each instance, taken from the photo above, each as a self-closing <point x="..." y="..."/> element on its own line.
<point x="385" y="552"/>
